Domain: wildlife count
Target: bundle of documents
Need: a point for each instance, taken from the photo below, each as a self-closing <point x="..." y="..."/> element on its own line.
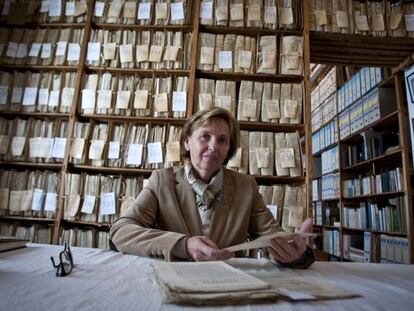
<point x="77" y="148"/>
<point x="219" y="283"/>
<point x="204" y="94"/>
<point x="133" y="186"/>
<point x="240" y="161"/>
<point x="8" y="243"/>
<point x="73" y="186"/>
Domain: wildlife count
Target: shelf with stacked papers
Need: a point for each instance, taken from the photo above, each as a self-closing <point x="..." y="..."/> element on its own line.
<point x="87" y="224"/>
<point x="248" y="31"/>
<point x="183" y="28"/>
<point x="38" y="67"/>
<point x="135" y="119"/>
<point x="24" y="165"/>
<point x="27" y="219"/>
<point x="238" y="76"/>
<point x="141" y="72"/>
<point x="33" y="114"/>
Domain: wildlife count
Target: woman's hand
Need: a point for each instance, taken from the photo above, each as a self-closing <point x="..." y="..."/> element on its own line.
<point x="286" y="250"/>
<point x="201" y="248"/>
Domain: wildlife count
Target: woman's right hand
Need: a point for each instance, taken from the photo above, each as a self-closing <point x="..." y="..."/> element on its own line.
<point x="201" y="248"/>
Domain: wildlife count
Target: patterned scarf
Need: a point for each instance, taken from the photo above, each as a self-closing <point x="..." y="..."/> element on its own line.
<point x="205" y="194"/>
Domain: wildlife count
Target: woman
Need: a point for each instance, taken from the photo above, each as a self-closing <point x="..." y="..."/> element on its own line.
<point x="194" y="211"/>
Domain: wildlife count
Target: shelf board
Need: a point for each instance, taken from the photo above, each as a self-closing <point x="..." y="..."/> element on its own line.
<point x="141" y="72"/>
<point x="27" y="219"/>
<point x="358" y="50"/>
<point x="359" y="230"/>
<point x="43" y="166"/>
<point x="269" y="179"/>
<point x="366" y="164"/>
<point x="57" y="25"/>
<point x="117" y="26"/>
<point x="86" y="223"/>
<point x="248" y="31"/>
<point x="113" y="170"/>
<point x="39" y="67"/>
<point x="380" y="124"/>
<point x="316" y="154"/>
<point x="274" y="127"/>
<point x="34" y="114"/>
<point x="327" y="200"/>
<point x="140" y="120"/>
<point x="373" y="196"/>
<point x="238" y="76"/>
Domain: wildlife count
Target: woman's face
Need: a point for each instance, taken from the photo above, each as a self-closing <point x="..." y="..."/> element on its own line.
<point x="208" y="147"/>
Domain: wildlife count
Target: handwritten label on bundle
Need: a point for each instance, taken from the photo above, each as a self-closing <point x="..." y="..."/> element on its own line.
<point x="244" y="59"/>
<point x="206" y="9"/>
<point x="249" y="108"/>
<point x="114" y="150"/>
<point x="287" y="157"/>
<point x="96" y="149"/>
<point x="129" y="9"/>
<point x="67" y="96"/>
<point x="270" y="15"/>
<point x="342" y="19"/>
<point x="12" y="49"/>
<point x="236" y="12"/>
<point x="207" y="55"/>
<point x="269" y="59"/>
<point x="17" y="94"/>
<point x="272" y="108"/>
<point x="362" y="22"/>
<point x="104" y="99"/>
<point x="144" y="10"/>
<point x="55" y="8"/>
<point x="17" y="145"/>
<point x="88" y="204"/>
<point x="107" y="206"/>
<point x="35" y="49"/>
<point x="161" y="11"/>
<point x="321" y="17"/>
<point x="43" y="97"/>
<point x="99" y="9"/>
<point x="134" y="156"/>
<point x="224" y="102"/>
<point x="141" y="99"/>
<point x="50" y="202"/>
<point x="26" y="200"/>
<point x="115" y="8"/>
<point x="122" y="99"/>
<point x="141" y="53"/>
<point x="109" y="50"/>
<point x="295" y="216"/>
<point x="156" y="53"/>
<point x="4" y="91"/>
<point x="395" y="20"/>
<point x="286" y="16"/>
<point x="225" y="59"/>
<point x="378" y="22"/>
<point x="221" y="13"/>
<point x="59" y="147"/>
<point x="171" y="53"/>
<point x="88" y="99"/>
<point x="30" y="95"/>
<point x="46" y="50"/>
<point x="70" y="9"/>
<point x="73" y="52"/>
<point x="409" y="22"/>
<point x="179" y="101"/>
<point x="40" y="147"/>
<point x="236" y="160"/>
<point x="154" y="153"/>
<point x="205" y="100"/>
<point x="54" y="98"/>
<point x="61" y="48"/>
<point x="37" y="199"/>
<point x="291" y="108"/>
<point x="72" y="206"/>
<point x="125" y="51"/>
<point x="253" y="13"/>
<point x="94" y="49"/>
<point x="161" y="102"/>
<point x="273" y="210"/>
<point x="177" y="11"/>
<point x="15" y="202"/>
<point x="76" y="149"/>
<point x="173" y="151"/>
<point x="263" y="157"/>
<point x="22" y="50"/>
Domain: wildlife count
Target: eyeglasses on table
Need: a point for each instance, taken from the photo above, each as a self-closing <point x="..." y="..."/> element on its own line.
<point x="65" y="265"/>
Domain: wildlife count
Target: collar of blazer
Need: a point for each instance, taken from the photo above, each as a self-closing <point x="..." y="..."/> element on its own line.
<point x="187" y="205"/>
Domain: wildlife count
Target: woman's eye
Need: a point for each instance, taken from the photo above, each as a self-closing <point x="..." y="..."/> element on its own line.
<point x="205" y="137"/>
<point x="223" y="140"/>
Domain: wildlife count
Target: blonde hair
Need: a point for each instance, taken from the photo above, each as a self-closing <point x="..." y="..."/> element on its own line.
<point x="205" y="117"/>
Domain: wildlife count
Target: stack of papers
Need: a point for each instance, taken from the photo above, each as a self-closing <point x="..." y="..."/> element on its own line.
<point x="9" y="243"/>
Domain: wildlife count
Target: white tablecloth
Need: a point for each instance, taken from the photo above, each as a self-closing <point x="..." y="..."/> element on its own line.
<point x="106" y="280"/>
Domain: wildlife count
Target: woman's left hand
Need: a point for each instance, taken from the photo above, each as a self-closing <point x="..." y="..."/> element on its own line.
<point x="286" y="250"/>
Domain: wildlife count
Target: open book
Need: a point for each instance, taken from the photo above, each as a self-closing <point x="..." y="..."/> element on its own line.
<point x="9" y="243"/>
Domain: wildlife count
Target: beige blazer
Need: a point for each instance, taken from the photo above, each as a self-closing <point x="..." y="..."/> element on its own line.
<point x="165" y="211"/>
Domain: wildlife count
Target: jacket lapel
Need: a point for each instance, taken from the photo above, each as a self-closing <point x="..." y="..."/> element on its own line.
<point x="187" y="204"/>
<point x="221" y="209"/>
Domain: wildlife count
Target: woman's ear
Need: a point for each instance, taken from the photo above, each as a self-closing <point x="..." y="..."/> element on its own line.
<point x="186" y="144"/>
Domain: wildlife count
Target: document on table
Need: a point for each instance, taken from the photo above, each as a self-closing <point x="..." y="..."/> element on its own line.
<point x="264" y="241"/>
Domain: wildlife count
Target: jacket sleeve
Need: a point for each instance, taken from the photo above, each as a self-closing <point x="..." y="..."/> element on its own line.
<point x="135" y="231"/>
